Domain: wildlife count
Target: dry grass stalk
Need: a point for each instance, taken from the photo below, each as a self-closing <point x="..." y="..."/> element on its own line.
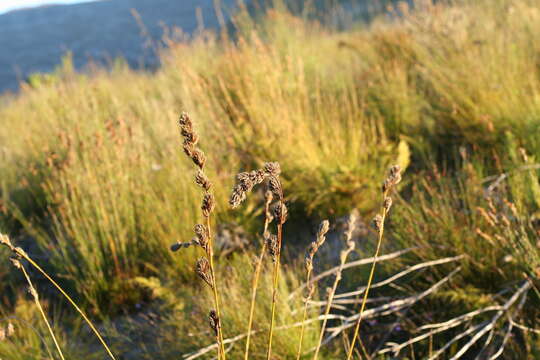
<point x="32" y="290"/>
<point x="343" y="259"/>
<point x="314" y="247"/>
<point x="280" y="213"/>
<point x="245" y="182"/>
<point x="203" y="236"/>
<point x="267" y="220"/>
<point x="393" y="178"/>
<point x="20" y="253"/>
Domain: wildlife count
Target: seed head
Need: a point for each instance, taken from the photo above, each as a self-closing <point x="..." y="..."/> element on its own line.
<point x="203" y="270"/>
<point x="237" y="197"/>
<point x="272" y="168"/>
<point x="208" y="204"/>
<point x="198" y="158"/>
<point x="351" y="225"/>
<point x="213" y="321"/>
<point x="280" y="212"/>
<point x="315" y="245"/>
<point x="184" y="120"/>
<point x="275" y="186"/>
<point x="202" y="180"/>
<point x="201" y="236"/>
<point x="377" y="222"/>
<point x="257" y="176"/>
<point x="394" y="177"/>
<point x="244" y="182"/>
<point x="272" y="245"/>
<point x="387" y="203"/>
<point x="188" y="149"/>
<point x="323" y="229"/>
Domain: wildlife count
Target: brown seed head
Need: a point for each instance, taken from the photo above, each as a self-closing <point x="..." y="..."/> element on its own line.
<point x="237" y="197"/>
<point x="387" y="203"/>
<point x="275" y="186"/>
<point x="202" y="180"/>
<point x="244" y="182"/>
<point x="188" y="149"/>
<point x="272" y="245"/>
<point x="257" y="176"/>
<point x="280" y="212"/>
<point x="323" y="229"/>
<point x="394" y="177"/>
<point x="351" y="225"/>
<point x="203" y="270"/>
<point x="315" y="245"/>
<point x="208" y="204"/>
<point x="201" y="236"/>
<point x="213" y="321"/>
<point x="198" y="158"/>
<point x="184" y="119"/>
<point x="272" y="168"/>
<point x="378" y="222"/>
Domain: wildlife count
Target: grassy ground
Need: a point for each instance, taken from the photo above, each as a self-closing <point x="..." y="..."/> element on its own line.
<point x="94" y="183"/>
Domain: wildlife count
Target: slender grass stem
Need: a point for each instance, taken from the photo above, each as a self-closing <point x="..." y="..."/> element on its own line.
<point x="273" y="311"/>
<point x="304" y="316"/>
<point x="370" y="279"/>
<point x="343" y="259"/>
<point x="36" y="300"/>
<point x="68" y="298"/>
<point x="210" y="254"/>
<point x="281" y="220"/>
<point x="257" y="274"/>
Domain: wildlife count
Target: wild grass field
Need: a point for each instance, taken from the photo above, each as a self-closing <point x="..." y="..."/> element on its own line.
<point x="95" y="188"/>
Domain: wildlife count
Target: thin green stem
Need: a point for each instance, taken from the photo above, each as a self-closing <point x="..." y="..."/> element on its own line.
<point x="370" y="279"/>
<point x="308" y="278"/>
<point x="256" y="277"/>
<point x="281" y="220"/>
<point x="343" y="259"/>
<point x="253" y="298"/>
<point x="210" y="254"/>
<point x="273" y="311"/>
<point x="36" y="300"/>
<point x="70" y="300"/>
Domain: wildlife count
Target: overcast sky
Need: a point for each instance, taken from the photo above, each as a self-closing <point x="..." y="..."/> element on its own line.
<point x="7" y="5"/>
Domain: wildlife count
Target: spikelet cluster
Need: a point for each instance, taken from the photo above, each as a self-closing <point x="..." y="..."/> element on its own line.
<point x="315" y="245"/>
<point x="202" y="238"/>
<point x="246" y="181"/>
<point x="213" y="321"/>
<point x="393" y="178"/>
<point x="203" y="270"/>
<point x="312" y="250"/>
<point x="349" y="241"/>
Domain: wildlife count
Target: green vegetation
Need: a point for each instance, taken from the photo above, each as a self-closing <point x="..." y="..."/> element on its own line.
<point x="95" y="186"/>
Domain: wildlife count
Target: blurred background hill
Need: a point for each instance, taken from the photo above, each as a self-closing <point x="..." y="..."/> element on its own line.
<point x="34" y="39"/>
